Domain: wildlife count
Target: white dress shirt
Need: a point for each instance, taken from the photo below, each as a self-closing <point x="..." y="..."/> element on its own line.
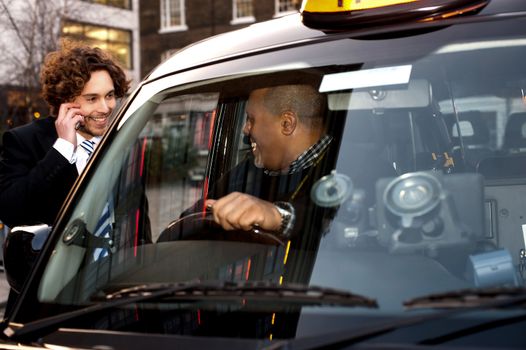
<point x="73" y="154"/>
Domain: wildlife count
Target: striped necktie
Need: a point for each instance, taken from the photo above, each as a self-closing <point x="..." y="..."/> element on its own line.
<point x="103" y="229"/>
<point x="88" y="146"/>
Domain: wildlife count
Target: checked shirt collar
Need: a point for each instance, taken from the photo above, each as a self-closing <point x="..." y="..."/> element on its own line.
<point x="306" y="159"/>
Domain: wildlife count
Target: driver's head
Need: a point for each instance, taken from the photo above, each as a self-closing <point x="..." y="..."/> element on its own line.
<point x="282" y="122"/>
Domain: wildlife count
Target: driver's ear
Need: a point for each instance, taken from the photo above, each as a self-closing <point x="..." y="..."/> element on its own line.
<point x="289" y="121"/>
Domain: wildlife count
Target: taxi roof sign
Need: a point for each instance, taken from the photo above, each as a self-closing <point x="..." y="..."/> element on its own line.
<point x="348" y="5"/>
<point x="345" y="14"/>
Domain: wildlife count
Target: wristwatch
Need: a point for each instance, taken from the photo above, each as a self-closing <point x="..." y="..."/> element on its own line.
<point x="286" y="211"/>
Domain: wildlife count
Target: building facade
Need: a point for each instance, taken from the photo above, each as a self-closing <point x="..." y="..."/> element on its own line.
<point x="169" y="25"/>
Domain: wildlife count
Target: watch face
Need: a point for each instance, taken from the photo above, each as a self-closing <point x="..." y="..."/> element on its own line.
<point x="285" y="214"/>
<point x="285" y="211"/>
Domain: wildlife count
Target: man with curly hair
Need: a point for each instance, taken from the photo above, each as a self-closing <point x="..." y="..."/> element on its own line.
<point x="40" y="161"/>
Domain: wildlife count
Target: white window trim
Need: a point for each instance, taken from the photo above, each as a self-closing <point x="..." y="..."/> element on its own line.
<point x="283" y="13"/>
<point x="173" y="28"/>
<point x="243" y="20"/>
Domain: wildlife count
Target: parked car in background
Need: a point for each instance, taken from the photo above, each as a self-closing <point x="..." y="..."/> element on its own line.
<point x="416" y="225"/>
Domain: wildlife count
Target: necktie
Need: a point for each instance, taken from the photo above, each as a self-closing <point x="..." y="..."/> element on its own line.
<point x="88" y="146"/>
<point x="103" y="229"/>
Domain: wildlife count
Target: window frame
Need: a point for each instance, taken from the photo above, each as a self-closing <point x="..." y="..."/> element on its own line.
<point x="166" y="25"/>
<point x="278" y="13"/>
<point x="241" y="19"/>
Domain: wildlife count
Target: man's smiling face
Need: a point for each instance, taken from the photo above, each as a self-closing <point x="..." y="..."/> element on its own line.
<point x="97" y="101"/>
<point x="264" y="130"/>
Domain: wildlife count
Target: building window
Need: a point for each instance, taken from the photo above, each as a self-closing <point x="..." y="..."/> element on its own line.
<point x="172" y="15"/>
<point x="116" y="41"/>
<point x="123" y="4"/>
<point x="243" y="11"/>
<point x="287" y="6"/>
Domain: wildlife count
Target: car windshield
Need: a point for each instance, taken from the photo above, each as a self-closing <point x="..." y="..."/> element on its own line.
<point x="418" y="186"/>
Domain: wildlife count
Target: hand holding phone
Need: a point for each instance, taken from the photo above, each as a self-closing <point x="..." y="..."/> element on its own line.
<point x="68" y="121"/>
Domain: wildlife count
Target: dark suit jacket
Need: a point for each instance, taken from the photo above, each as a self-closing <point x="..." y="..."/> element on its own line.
<point x="34" y="177"/>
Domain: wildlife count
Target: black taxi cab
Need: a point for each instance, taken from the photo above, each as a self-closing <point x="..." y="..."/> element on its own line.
<point x="407" y="231"/>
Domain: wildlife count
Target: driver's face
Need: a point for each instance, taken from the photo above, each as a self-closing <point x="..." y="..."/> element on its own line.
<point x="264" y="130"/>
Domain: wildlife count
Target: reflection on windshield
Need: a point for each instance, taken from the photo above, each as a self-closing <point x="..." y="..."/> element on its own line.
<point x="414" y="187"/>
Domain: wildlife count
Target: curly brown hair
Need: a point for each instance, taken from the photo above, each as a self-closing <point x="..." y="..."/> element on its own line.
<point x="66" y="71"/>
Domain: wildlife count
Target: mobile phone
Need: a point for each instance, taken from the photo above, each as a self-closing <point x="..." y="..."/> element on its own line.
<point x="79" y="124"/>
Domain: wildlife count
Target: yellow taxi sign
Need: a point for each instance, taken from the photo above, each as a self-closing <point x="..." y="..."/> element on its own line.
<point x="345" y="14"/>
<point x="347" y="5"/>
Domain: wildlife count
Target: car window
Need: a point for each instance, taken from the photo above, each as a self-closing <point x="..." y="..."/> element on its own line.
<point x="157" y="171"/>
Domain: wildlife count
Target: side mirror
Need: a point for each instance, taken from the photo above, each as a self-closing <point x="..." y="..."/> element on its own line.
<point x="21" y="248"/>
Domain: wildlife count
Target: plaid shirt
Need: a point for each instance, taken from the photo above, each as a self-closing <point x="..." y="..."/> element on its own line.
<point x="306" y="159"/>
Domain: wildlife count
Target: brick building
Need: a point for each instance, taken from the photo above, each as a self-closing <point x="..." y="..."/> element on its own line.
<point x="168" y="25"/>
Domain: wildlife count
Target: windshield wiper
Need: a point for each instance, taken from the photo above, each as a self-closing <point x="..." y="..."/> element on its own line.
<point x="497" y="298"/>
<point x="471" y="297"/>
<point x="310" y="295"/>
<point x="260" y="290"/>
<point x="502" y="298"/>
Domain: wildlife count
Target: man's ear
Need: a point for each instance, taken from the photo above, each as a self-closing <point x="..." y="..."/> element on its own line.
<point x="289" y="121"/>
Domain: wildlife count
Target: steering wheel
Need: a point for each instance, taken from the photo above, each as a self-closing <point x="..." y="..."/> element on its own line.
<point x="201" y="226"/>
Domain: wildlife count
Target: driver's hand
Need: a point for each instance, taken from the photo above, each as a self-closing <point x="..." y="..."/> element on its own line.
<point x="240" y="211"/>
